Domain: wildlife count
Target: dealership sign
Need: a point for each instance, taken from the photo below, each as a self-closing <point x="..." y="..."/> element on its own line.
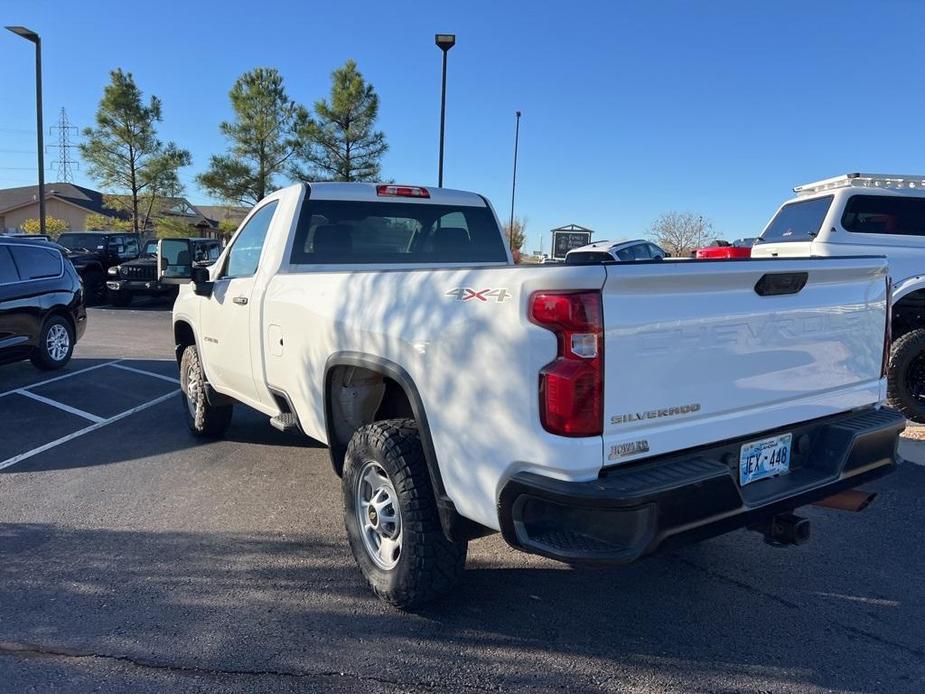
<point x="567" y="238"/>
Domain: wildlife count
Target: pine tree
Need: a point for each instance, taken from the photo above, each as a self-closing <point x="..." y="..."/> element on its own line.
<point x="265" y="139"/>
<point x="342" y="142"/>
<point x="123" y="150"/>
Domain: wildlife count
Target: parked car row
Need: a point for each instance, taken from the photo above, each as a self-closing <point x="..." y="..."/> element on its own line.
<point x="139" y="276"/>
<point x="46" y="285"/>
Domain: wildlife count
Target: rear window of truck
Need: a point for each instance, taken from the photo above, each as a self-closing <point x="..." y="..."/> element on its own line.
<point x="884" y="214"/>
<point x="351" y="232"/>
<point x="798" y="221"/>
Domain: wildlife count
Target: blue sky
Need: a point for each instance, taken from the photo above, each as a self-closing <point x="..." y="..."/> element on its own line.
<point x="630" y="109"/>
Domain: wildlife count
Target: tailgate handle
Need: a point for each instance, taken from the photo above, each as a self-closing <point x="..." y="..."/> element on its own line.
<point x="776" y="283"/>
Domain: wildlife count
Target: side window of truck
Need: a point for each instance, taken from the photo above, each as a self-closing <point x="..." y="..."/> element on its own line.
<point x="885" y="214"/>
<point x="245" y="251"/>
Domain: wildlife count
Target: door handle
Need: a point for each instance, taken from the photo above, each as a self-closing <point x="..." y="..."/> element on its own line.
<point x="240" y="300"/>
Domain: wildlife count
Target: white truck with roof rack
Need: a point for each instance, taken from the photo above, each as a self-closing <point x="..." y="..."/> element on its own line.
<point x="590" y="413"/>
<point x="867" y="214"/>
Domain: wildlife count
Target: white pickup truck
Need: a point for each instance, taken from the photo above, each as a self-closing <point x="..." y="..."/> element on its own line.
<point x="591" y="413"/>
<point x="867" y="214"/>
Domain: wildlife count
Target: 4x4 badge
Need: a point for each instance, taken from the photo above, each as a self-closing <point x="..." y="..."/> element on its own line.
<point x="467" y="294"/>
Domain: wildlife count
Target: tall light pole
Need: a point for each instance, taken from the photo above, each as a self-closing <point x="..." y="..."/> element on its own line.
<point x="30" y="35"/>
<point x="514" y="178"/>
<point x="444" y="42"/>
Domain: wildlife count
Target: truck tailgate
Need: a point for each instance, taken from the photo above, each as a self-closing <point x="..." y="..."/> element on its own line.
<point x="698" y="352"/>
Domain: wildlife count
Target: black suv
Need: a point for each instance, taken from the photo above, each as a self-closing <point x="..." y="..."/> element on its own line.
<point x="94" y="252"/>
<point x="140" y="276"/>
<point x="42" y="312"/>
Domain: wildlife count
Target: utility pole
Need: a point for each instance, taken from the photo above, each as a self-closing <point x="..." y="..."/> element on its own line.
<point x="64" y="163"/>
<point x="514" y="178"/>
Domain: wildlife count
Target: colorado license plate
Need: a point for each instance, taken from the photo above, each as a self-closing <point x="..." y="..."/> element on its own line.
<point x="765" y="458"/>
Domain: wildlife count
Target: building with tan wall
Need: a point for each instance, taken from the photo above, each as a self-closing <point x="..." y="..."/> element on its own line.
<point x="73" y="204"/>
<point x="62" y="200"/>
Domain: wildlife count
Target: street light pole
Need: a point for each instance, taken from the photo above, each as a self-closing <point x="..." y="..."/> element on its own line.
<point x="514" y="178"/>
<point x="444" y="42"/>
<point x="36" y="39"/>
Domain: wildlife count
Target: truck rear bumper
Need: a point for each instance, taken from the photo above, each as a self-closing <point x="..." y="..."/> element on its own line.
<point x="633" y="510"/>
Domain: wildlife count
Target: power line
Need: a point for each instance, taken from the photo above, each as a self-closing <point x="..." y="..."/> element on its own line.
<point x="64" y="162"/>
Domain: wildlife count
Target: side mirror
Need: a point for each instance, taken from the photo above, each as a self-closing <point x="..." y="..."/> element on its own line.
<point x="202" y="282"/>
<point x="174" y="261"/>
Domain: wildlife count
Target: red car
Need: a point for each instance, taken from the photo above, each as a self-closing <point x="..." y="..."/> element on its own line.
<point x="741" y="248"/>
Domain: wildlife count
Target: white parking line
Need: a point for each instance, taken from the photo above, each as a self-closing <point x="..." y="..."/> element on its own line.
<point x="60" y="406"/>
<point x="93" y="427"/>
<point x="146" y="373"/>
<point x="63" y="376"/>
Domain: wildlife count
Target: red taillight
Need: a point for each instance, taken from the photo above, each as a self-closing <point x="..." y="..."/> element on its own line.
<point x="888" y="330"/>
<point x="572" y="386"/>
<point x="402" y="191"/>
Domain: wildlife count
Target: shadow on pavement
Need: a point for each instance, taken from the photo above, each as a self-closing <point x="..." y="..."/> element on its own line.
<point x="258" y="602"/>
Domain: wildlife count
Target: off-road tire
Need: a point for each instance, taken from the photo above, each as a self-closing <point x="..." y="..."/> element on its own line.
<point x="120" y="299"/>
<point x="42" y="357"/>
<point x="203" y="419"/>
<point x="904" y="352"/>
<point x="95" y="286"/>
<point x="429" y="566"/>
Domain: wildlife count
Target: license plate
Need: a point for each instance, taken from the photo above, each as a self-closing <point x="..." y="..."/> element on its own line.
<point x="759" y="460"/>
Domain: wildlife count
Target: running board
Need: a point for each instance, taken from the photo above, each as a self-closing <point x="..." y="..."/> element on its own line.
<point x="285" y="422"/>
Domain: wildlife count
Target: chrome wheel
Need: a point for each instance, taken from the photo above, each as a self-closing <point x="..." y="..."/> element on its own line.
<point x="379" y="515"/>
<point x="193" y="390"/>
<point x="57" y="342"/>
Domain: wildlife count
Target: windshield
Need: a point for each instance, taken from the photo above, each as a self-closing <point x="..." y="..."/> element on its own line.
<point x="798" y="221"/>
<point x="79" y="242"/>
<point x="150" y="248"/>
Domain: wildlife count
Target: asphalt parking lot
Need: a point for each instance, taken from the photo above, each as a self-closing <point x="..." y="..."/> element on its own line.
<point x="134" y="558"/>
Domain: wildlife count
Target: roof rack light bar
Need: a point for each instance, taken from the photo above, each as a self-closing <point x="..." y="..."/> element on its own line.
<point x="865" y="180"/>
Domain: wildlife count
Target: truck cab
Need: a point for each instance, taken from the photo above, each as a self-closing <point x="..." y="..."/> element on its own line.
<point x="867" y="214"/>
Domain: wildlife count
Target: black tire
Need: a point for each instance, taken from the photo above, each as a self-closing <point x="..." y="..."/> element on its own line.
<point x="95" y="286"/>
<point x="55" y="344"/>
<point x="203" y="419"/>
<point x="428" y="566"/>
<point x="120" y="299"/>
<point x="906" y="375"/>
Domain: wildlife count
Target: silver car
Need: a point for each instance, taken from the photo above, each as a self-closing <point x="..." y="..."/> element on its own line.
<point x="614" y="252"/>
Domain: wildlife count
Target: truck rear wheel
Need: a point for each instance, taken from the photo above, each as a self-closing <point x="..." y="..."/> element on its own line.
<point x="203" y="419"/>
<point x="907" y="375"/>
<point x="392" y="519"/>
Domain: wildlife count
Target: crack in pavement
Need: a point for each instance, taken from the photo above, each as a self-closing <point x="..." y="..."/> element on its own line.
<point x="26" y="650"/>
<point x="792" y="605"/>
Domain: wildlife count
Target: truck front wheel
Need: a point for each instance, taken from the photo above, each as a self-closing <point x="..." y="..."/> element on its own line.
<point x="907" y="375"/>
<point x="392" y="519"/>
<point x="203" y="418"/>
